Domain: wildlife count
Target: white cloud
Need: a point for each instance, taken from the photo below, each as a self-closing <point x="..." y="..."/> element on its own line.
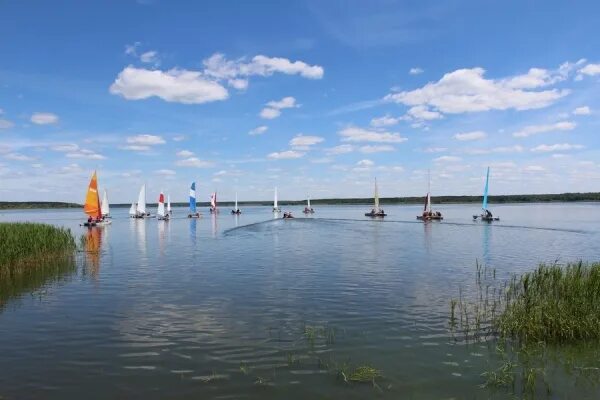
<point x="149" y="57"/>
<point x="145" y="140"/>
<point x="376" y="149"/>
<point x="273" y="108"/>
<point x="131" y="49"/>
<point x="165" y="172"/>
<point x="386" y="120"/>
<point x="71" y="169"/>
<point x="534" y="168"/>
<point x="285" y="155"/>
<point x="501" y="149"/>
<point x="135" y="147"/>
<point x="219" y="67"/>
<point x="467" y="90"/>
<point x="184" y="153"/>
<point x="365" y="163"/>
<point x="341" y="149"/>
<point x="259" y="130"/>
<point x="174" y="85"/>
<point x="355" y="134"/>
<point x="179" y="138"/>
<point x="545" y="148"/>
<point x="65" y="147"/>
<point x="44" y="118"/>
<point x="415" y="71"/>
<point x="585" y="110"/>
<point x="6" y="124"/>
<point x="18" y="157"/>
<point x="536" y="129"/>
<point x="84" y="153"/>
<point x="194" y="162"/>
<point x="590" y="70"/>
<point x="447" y="159"/>
<point x="303" y="142"/>
<point x="423" y="113"/>
<point x="435" y="149"/>
<point x="467" y="136"/>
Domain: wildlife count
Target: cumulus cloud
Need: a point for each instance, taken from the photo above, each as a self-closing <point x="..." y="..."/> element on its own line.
<point x="386" y="120"/>
<point x="145" y="140"/>
<point x="415" y="71"/>
<point x="341" y="149"/>
<point x="259" y="130"/>
<point x="356" y="134"/>
<point x="194" y="162"/>
<point x="174" y="85"/>
<point x="18" y="157"/>
<point x="534" y="168"/>
<point x="165" y="172"/>
<point x="301" y="142"/>
<point x="44" y="118"/>
<point x="537" y="129"/>
<point x="5" y="124"/>
<point x="149" y="57"/>
<point x="135" y="147"/>
<point x="467" y="90"/>
<point x="87" y="154"/>
<point x="368" y="149"/>
<point x="494" y="150"/>
<point x="286" y="155"/>
<point x="585" y="110"/>
<point x="590" y="70"/>
<point x="423" y="113"/>
<point x="273" y="108"/>
<point x="184" y="153"/>
<point x="434" y="149"/>
<point x="548" y="148"/>
<point x="447" y="159"/>
<point x="467" y="136"/>
<point x="365" y="163"/>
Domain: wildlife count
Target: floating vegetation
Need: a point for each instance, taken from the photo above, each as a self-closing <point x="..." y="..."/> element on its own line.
<point x="31" y="255"/>
<point x="363" y="374"/>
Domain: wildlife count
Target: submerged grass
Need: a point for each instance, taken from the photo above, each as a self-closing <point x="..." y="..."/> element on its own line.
<point x="31" y="254"/>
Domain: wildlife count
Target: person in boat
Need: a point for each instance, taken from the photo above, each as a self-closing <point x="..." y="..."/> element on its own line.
<point x="437" y="213"/>
<point x="488" y="214"/>
<point x="89" y="221"/>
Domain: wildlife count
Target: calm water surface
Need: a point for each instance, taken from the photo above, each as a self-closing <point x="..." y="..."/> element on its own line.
<point x="219" y="307"/>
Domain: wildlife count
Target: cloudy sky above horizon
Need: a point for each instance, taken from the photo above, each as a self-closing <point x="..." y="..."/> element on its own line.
<point x="316" y="98"/>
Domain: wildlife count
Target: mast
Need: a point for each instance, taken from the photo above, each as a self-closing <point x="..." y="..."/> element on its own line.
<point x="104" y="205"/>
<point x="193" y="198"/>
<point x="141" y="204"/>
<point x="485" y="190"/>
<point x="161" y="205"/>
<point x="92" y="199"/>
<point x="376" y="197"/>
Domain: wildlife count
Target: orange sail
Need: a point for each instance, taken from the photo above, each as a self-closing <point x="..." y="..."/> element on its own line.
<point x="92" y="199"/>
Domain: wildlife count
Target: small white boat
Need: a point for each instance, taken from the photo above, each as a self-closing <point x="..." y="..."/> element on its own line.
<point x="160" y="212"/>
<point x="92" y="206"/>
<point x="169" y="211"/>
<point x="105" y="207"/>
<point x="376" y="212"/>
<point x="236" y="210"/>
<point x="276" y="208"/>
<point x="308" y="209"/>
<point x="428" y="213"/>
<point x="140" y="209"/>
<point x="213" y="203"/>
<point x="486" y="214"/>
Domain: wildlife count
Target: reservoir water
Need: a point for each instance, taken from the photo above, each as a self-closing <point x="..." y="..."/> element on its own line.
<point x="255" y="307"/>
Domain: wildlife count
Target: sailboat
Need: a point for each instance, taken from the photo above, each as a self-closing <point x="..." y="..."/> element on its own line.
<point x="376" y="211"/>
<point x="236" y="210"/>
<point x="132" y="210"/>
<point x="428" y="214"/>
<point x="140" y="208"/>
<point x="308" y="209"/>
<point x="213" y="203"/>
<point x="276" y="208"/>
<point x="160" y="212"/>
<point x="486" y="215"/>
<point x="193" y="213"/>
<point x="105" y="207"/>
<point x="92" y="205"/>
<point x="169" y="211"/>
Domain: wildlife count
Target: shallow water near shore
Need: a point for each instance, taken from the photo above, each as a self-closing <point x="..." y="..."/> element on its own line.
<point x="255" y="307"/>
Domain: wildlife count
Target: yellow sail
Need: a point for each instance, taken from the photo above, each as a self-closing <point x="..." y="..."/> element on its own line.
<point x="92" y="199"/>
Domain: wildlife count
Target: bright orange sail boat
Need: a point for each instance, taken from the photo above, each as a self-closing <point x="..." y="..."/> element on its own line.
<point x="92" y="205"/>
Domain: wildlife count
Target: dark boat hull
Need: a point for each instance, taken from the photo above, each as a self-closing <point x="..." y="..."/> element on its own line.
<point x="376" y="215"/>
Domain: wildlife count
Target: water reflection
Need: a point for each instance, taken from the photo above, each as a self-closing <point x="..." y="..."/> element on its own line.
<point x="162" y="232"/>
<point x="93" y="246"/>
<point x="213" y="224"/>
<point x="140" y="230"/>
<point x="487" y="232"/>
<point x="193" y="230"/>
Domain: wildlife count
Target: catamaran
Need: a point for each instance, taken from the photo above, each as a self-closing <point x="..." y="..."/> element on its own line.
<point x="486" y="214"/>
<point x="140" y="207"/>
<point x="160" y="212"/>
<point x="92" y="206"/>
<point x="308" y="209"/>
<point x="428" y="214"/>
<point x="376" y="211"/>
<point x="193" y="213"/>
<point x="169" y="211"/>
<point x="105" y="207"/>
<point x="236" y="210"/>
<point x="213" y="203"/>
<point x="276" y="208"/>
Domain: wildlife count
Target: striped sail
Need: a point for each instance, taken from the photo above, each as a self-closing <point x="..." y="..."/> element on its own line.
<point x="161" y="205"/>
<point x="193" y="197"/>
<point x="213" y="200"/>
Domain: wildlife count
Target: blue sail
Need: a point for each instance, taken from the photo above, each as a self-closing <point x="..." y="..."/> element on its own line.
<point x="485" y="191"/>
<point x="193" y="197"/>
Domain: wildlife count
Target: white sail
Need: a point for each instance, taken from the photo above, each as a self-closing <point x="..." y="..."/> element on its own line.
<point x="275" y="206"/>
<point x="376" y="197"/>
<point x="236" y="206"/>
<point x="161" y="205"/>
<point x="104" y="207"/>
<point x="132" y="209"/>
<point x="168" y="204"/>
<point x="308" y="202"/>
<point x="141" y="204"/>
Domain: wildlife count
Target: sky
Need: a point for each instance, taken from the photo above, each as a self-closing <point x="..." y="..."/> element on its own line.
<point x="317" y="98"/>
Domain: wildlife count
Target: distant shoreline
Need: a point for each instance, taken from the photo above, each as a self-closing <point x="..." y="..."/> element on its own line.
<point x="499" y="199"/>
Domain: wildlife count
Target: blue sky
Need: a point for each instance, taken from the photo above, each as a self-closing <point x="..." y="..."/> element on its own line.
<point x="317" y="98"/>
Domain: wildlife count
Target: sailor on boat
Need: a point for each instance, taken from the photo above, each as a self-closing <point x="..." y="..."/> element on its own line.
<point x="287" y="215"/>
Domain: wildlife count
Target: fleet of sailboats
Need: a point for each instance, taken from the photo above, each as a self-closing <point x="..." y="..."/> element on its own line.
<point x="376" y="211"/>
<point x="486" y="215"/>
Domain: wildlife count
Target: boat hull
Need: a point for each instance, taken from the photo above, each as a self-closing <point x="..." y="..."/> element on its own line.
<point x="236" y="212"/>
<point x="430" y="218"/>
<point x="484" y="218"/>
<point x="196" y="215"/>
<point x="376" y="215"/>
